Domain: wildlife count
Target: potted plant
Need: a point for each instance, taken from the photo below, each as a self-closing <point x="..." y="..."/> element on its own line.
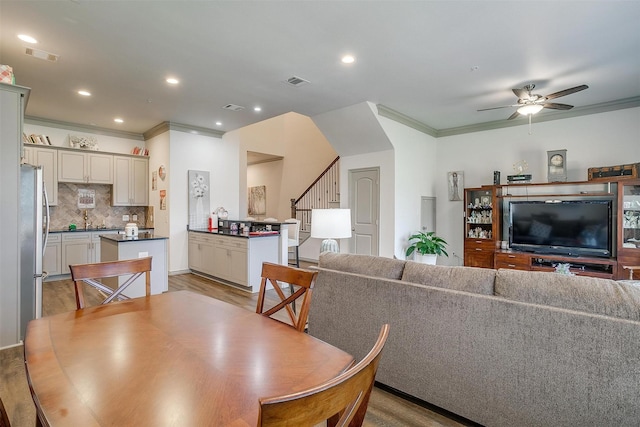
<point x="427" y="246"/>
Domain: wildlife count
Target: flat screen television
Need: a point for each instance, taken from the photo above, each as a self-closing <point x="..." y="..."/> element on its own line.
<point x="573" y="228"/>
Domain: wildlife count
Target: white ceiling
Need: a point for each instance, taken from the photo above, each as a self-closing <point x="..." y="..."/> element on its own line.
<point x="417" y="58"/>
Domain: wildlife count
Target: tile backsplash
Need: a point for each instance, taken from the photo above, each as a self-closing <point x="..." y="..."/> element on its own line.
<point x="67" y="211"/>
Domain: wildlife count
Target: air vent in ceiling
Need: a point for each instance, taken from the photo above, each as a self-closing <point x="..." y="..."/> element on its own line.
<point x="297" y="81"/>
<point x="233" y="107"/>
<point x="41" y="54"/>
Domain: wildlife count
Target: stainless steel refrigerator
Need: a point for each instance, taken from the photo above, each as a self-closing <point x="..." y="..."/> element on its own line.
<point x="33" y="233"/>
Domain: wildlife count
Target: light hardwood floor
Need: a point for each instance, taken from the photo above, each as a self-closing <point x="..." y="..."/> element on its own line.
<point x="385" y="409"/>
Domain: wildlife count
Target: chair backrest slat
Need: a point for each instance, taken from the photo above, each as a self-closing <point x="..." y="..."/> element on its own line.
<point x="304" y="279"/>
<point x="88" y="273"/>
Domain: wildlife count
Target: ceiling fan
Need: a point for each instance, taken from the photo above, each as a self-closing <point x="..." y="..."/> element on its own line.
<point x="530" y="103"/>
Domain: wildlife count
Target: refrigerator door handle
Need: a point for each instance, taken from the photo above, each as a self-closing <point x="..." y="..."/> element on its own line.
<point x="47" y="216"/>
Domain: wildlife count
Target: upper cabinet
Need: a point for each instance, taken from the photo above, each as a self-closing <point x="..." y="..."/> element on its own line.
<point x="48" y="159"/>
<point x="85" y="167"/>
<point x="131" y="181"/>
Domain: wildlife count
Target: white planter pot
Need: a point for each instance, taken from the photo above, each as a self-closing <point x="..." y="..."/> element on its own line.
<point x="425" y="259"/>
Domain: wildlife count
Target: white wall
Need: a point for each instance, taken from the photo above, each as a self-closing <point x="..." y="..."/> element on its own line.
<point x="159" y="155"/>
<point x="293" y="136"/>
<point x="415" y="177"/>
<point x="197" y="152"/>
<point x="603" y="139"/>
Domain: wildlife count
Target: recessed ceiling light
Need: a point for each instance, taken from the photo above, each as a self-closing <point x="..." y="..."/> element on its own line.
<point x="26" y="38"/>
<point x="348" y="59"/>
<point x="118" y="120"/>
<point x="257" y="109"/>
<point x="84" y="93"/>
<point x="173" y="81"/>
<point x="218" y="123"/>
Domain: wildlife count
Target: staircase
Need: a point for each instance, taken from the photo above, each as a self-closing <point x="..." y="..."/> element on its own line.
<point x="323" y="193"/>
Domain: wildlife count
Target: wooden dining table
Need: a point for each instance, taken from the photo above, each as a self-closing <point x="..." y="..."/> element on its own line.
<point x="175" y="359"/>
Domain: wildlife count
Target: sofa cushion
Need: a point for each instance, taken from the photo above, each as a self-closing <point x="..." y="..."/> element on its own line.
<point x="588" y="294"/>
<point x="385" y="268"/>
<point x="468" y="279"/>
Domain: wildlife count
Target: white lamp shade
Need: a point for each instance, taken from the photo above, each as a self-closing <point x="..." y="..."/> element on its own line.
<point x="331" y="223"/>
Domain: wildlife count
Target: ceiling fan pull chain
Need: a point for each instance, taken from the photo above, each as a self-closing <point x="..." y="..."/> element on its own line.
<point x="530" y="123"/>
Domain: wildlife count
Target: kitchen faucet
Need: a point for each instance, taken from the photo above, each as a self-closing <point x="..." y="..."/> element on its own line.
<point x="87" y="223"/>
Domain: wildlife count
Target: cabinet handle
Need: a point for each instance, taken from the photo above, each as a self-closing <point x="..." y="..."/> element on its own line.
<point x="511" y="265"/>
<point x="511" y="256"/>
<point x="478" y="249"/>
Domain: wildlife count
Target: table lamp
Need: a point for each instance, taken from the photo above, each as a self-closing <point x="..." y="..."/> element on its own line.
<point x="330" y="224"/>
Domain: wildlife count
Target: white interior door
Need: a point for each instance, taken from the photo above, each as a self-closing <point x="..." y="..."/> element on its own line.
<point x="428" y="214"/>
<point x="364" y="195"/>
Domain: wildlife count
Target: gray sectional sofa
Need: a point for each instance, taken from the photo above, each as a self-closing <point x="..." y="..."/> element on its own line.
<point x="500" y="348"/>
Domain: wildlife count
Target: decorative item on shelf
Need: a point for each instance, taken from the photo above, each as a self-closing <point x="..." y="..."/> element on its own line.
<point x="520" y="177"/>
<point x="87" y="142"/>
<point x="496" y="177"/>
<point x="140" y="151"/>
<point x="564" y="268"/>
<point x="606" y="173"/>
<point x="479" y="233"/>
<point x="426" y="247"/>
<point x="557" y="166"/>
<point x="222" y="213"/>
<point x="6" y="75"/>
<point x="330" y="224"/>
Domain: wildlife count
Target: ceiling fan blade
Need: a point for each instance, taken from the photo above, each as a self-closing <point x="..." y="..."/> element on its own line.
<point x="521" y="93"/>
<point x="567" y="91"/>
<point x="497" y="108"/>
<point x="555" y="106"/>
<point x="514" y="115"/>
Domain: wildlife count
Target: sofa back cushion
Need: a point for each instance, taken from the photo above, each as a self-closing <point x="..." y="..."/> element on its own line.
<point x="588" y="294"/>
<point x="385" y="268"/>
<point x="467" y="279"/>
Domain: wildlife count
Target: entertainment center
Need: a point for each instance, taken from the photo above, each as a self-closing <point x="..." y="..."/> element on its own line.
<point x="593" y="226"/>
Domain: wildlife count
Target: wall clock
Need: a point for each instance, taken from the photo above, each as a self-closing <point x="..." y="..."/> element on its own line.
<point x="557" y="166"/>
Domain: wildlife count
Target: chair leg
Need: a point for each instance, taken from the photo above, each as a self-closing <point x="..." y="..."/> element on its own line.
<point x="298" y="258"/>
<point x="293" y="303"/>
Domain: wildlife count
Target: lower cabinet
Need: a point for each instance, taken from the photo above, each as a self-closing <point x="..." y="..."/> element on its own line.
<point x="237" y="260"/>
<point x="515" y="261"/>
<point x="79" y="247"/>
<point x="52" y="261"/>
<point x="479" y="253"/>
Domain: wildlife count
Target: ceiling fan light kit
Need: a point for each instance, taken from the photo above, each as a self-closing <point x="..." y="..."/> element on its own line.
<point x="530" y="109"/>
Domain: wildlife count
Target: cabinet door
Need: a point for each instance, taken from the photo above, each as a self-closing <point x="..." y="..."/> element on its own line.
<point x="71" y="167"/>
<point x="238" y="272"/>
<point x="75" y="250"/>
<point x="195" y="255"/>
<point x="140" y="183"/>
<point x="220" y="262"/>
<point x="52" y="261"/>
<point x="121" y="179"/>
<point x="100" y="168"/>
<point x="478" y="257"/>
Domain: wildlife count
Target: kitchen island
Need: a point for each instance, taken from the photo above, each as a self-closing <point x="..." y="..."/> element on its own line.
<point x="233" y="257"/>
<point x="115" y="247"/>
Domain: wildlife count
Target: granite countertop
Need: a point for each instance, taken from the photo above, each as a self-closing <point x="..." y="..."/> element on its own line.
<point x="121" y="238"/>
<point x="93" y="229"/>
<point x="221" y="232"/>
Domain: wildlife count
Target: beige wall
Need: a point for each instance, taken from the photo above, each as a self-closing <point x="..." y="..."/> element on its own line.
<point x="268" y="174"/>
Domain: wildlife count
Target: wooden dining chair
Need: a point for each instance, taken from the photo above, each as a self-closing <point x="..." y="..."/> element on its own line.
<point x="303" y="279"/>
<point x="4" y="418"/>
<point x="99" y="274"/>
<point x="341" y="401"/>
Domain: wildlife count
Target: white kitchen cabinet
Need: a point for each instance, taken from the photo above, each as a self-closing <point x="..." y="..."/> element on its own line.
<point x="48" y="159"/>
<point x="130" y="181"/>
<point x="52" y="261"/>
<point x="237" y="260"/>
<point x="85" y="167"/>
<point x="76" y="249"/>
<point x="201" y="252"/>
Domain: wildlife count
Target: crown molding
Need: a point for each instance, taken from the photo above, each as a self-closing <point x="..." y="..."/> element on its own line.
<point x="83" y="128"/>
<point x="167" y="126"/>
<point x="394" y="115"/>
<point x="603" y="107"/>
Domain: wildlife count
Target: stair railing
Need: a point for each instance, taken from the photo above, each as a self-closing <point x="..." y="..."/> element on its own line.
<point x="321" y="194"/>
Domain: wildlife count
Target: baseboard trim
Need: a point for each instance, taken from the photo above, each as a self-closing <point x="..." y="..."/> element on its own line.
<point x="438" y="410"/>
